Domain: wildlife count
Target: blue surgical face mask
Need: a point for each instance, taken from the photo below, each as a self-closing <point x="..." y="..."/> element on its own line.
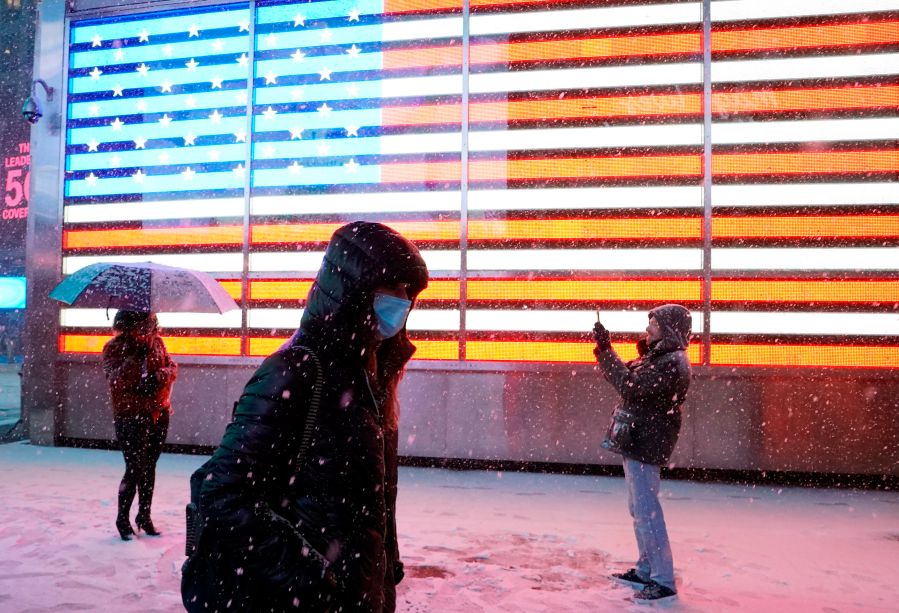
<point x="391" y="313"/>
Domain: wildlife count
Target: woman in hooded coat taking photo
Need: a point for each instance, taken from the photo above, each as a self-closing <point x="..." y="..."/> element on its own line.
<point x="297" y="506"/>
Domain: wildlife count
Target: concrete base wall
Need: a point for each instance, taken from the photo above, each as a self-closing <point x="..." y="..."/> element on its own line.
<point x="819" y="422"/>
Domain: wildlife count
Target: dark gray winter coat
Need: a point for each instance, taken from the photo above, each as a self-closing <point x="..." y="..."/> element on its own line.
<point x="646" y="423"/>
<point x="320" y="535"/>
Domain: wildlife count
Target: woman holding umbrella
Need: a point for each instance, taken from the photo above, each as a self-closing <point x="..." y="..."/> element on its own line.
<point x="140" y="375"/>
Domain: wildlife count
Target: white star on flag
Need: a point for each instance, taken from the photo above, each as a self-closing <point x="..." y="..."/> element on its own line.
<point x="117" y="90"/>
<point x="166" y="87"/>
<point x="215" y="116"/>
<point x="295" y="168"/>
<point x="351" y="167"/>
<point x="143" y="69"/>
<point x="141" y="106"/>
<point x="115" y="161"/>
<point x="190" y="102"/>
<point x="188" y="174"/>
<point x="324" y="109"/>
<point x="243" y="60"/>
<point x="164" y="158"/>
<point x="144" y="36"/>
<point x="239" y="170"/>
<point x="325" y="74"/>
<point x="269" y="113"/>
<point x="140" y="143"/>
<point x="271" y="78"/>
<point x="354" y="51"/>
<point x="192" y="65"/>
<point x="165" y="120"/>
<point x="271" y="40"/>
<point x="94" y="109"/>
<point x="119" y="55"/>
<point x="138" y="176"/>
<point x="117" y="125"/>
<point x="217" y="82"/>
<point x="244" y="25"/>
<point x="354" y="15"/>
<point x="241" y="137"/>
<point x="298" y="56"/>
<point x="92" y="146"/>
<point x="91" y="179"/>
<point x="296" y="133"/>
<point x="214" y="155"/>
<point x="352" y="131"/>
<point x="299" y="20"/>
<point x="96" y="41"/>
<point x="168" y="50"/>
<point x="218" y="45"/>
<point x="95" y="74"/>
<point x="189" y="139"/>
<point x="193" y="30"/>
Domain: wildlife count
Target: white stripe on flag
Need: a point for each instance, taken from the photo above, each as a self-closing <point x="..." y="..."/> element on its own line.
<point x="372" y="202"/>
<point x="558" y="320"/>
<point x="581" y="78"/>
<point x="97" y="318"/>
<point x="586" y="138"/>
<point x="805" y="68"/>
<point x="584" y="259"/>
<point x="680" y="197"/>
<point x="310" y="261"/>
<point x="831" y="324"/>
<point x="577" y="19"/>
<point x="807" y="194"/>
<point x="733" y="10"/>
<point x="805" y="131"/>
<point x="813" y="258"/>
<point x="139" y="211"/>
<point x="207" y="262"/>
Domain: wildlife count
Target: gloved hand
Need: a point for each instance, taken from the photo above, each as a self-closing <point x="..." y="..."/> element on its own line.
<point x="602" y="337"/>
<point x="642" y="345"/>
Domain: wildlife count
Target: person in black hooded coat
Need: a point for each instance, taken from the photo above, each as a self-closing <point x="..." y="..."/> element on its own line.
<point x="644" y="430"/>
<point x="321" y="535"/>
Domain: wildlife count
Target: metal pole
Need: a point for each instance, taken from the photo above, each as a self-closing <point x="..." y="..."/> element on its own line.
<point x="463" y="215"/>
<point x="706" y="181"/>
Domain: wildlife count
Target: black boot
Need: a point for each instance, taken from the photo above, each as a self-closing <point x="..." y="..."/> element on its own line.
<point x="146" y="524"/>
<point x="124" y="527"/>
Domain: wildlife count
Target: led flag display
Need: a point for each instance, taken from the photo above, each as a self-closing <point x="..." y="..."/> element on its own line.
<point x="556" y="169"/>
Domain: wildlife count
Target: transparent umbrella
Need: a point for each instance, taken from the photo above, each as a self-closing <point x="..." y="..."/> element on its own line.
<point x="143" y="286"/>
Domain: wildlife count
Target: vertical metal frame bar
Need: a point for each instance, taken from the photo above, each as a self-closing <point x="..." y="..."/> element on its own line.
<point x="706" y="181"/>
<point x="247" y="187"/>
<point x="42" y="402"/>
<point x="463" y="213"/>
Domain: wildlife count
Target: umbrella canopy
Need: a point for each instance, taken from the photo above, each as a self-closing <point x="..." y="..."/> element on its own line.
<point x="143" y="286"/>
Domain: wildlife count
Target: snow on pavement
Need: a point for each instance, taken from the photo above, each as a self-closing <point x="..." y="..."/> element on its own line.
<point x="471" y="541"/>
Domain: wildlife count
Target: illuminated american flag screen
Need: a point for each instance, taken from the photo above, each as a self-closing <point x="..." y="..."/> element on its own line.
<point x="547" y="157"/>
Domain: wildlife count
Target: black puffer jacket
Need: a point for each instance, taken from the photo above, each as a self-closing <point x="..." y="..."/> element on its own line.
<point x="646" y="424"/>
<point x="271" y="519"/>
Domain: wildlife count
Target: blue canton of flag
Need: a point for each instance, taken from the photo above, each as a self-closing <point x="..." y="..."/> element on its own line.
<point x="157" y="105"/>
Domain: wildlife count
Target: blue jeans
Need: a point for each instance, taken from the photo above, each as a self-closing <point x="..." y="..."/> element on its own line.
<point x="655" y="563"/>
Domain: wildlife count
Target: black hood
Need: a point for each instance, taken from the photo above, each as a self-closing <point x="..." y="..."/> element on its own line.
<point x="361" y="257"/>
<point x="676" y="324"/>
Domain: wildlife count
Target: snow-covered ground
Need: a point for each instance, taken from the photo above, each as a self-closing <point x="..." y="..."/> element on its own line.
<point x="472" y="541"/>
